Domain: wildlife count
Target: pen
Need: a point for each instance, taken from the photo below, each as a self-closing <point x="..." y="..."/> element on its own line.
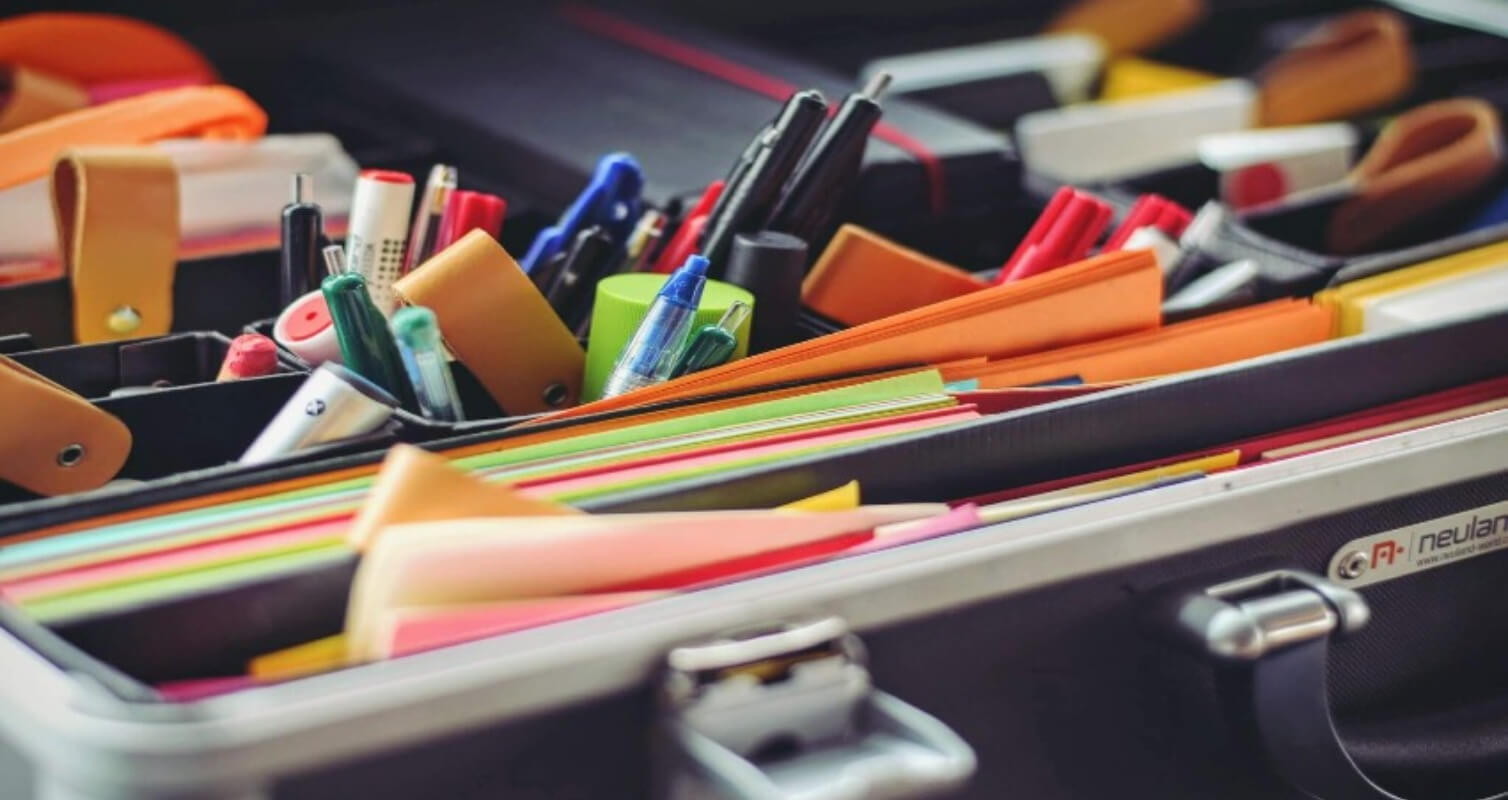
<point x="641" y="244"/>
<point x="754" y="187"/>
<point x="378" y="229"/>
<point x="426" y="228"/>
<point x="611" y="199"/>
<point x="682" y="243"/>
<point x="823" y="178"/>
<point x="301" y="229"/>
<point x="418" y="335"/>
<point x="468" y="211"/>
<point x="366" y="345"/>
<point x="711" y="345"/>
<point x="591" y="259"/>
<point x="649" y="357"/>
<point x="335" y="259"/>
<point x="332" y="403"/>
<point x="251" y="355"/>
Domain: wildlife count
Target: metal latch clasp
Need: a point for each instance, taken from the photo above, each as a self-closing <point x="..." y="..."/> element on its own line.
<point x="789" y="711"/>
<point x="1244" y="620"/>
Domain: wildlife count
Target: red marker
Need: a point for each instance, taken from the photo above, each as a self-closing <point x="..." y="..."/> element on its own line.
<point x="467" y="211"/>
<point x="251" y="355"/>
<point x="1151" y="211"/>
<point x="1070" y="225"/>
<point x="685" y="240"/>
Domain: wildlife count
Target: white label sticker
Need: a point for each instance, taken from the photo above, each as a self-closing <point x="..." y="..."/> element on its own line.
<point x="1422" y="546"/>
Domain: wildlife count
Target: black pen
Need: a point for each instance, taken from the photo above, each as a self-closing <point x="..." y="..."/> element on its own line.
<point x="825" y="176"/>
<point x="302" y="230"/>
<point x="746" y="205"/>
<point x="591" y="257"/>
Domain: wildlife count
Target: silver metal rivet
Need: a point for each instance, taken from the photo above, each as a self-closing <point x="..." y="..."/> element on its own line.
<point x="70" y="455"/>
<point x="1354" y="565"/>
<point x="555" y="395"/>
<point x="123" y="320"/>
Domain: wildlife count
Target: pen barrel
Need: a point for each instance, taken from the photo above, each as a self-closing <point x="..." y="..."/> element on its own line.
<point x="366" y="345"/>
<point x="592" y="256"/>
<point x="299" y="271"/>
<point x="649" y="357"/>
<point x="825" y="178"/>
<point x="752" y="200"/>
<point x="709" y="347"/>
<point x="416" y="331"/>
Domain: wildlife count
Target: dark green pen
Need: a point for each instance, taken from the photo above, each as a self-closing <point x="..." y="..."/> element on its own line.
<point x="711" y="345"/>
<point x="366" y="345"/>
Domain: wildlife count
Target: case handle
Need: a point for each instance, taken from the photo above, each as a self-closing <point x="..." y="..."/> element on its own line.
<point x="787" y="712"/>
<point x="1271" y="635"/>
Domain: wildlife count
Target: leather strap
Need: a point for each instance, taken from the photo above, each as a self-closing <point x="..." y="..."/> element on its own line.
<point x="1426" y="159"/>
<point x="117" y="219"/>
<point x="53" y="441"/>
<point x="1354" y="63"/>
<point x="1129" y="26"/>
<point x="34" y="96"/>
<point x="499" y="325"/>
<point x="1284" y="702"/>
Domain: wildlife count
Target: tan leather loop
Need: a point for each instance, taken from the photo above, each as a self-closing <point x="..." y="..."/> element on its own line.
<point x="117" y="219"/>
<point x="53" y="441"/>
<point x="1424" y="160"/>
<point x="498" y="324"/>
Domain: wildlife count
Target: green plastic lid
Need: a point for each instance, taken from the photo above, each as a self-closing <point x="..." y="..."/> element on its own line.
<point x="623" y="300"/>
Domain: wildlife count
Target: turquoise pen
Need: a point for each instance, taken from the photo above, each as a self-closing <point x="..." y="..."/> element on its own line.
<point x="711" y="345"/>
<point x="418" y="335"/>
<point x="366" y="345"/>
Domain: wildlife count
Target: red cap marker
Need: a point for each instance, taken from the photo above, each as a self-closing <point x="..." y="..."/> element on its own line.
<point x="468" y="211"/>
<point x="1151" y="211"/>
<point x="250" y="355"/>
<point x="1070" y="225"/>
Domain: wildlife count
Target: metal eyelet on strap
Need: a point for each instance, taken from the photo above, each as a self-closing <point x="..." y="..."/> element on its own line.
<point x="123" y="319"/>
<point x="555" y="395"/>
<point x="71" y="455"/>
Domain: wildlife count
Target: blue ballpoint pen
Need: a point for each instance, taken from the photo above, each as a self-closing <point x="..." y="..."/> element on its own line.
<point x="650" y="356"/>
<point x="611" y="200"/>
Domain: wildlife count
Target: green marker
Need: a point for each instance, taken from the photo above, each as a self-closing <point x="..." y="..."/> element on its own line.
<point x="711" y="345"/>
<point x="366" y="345"/>
<point x="418" y="335"/>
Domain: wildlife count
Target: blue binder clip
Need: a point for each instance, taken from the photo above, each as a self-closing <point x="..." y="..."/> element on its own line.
<point x="611" y="200"/>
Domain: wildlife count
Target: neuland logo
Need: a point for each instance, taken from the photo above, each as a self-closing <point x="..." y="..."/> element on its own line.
<point x="1428" y="544"/>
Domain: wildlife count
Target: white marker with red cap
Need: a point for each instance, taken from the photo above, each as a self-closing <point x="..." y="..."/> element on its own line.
<point x="378" y="232"/>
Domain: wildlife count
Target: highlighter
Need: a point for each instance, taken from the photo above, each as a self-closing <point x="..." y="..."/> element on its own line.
<point x="366" y="346"/>
<point x="649" y="357"/>
<point x="378" y="231"/>
<point x="332" y="403"/>
<point x="418" y="336"/>
<point x="711" y="345"/>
